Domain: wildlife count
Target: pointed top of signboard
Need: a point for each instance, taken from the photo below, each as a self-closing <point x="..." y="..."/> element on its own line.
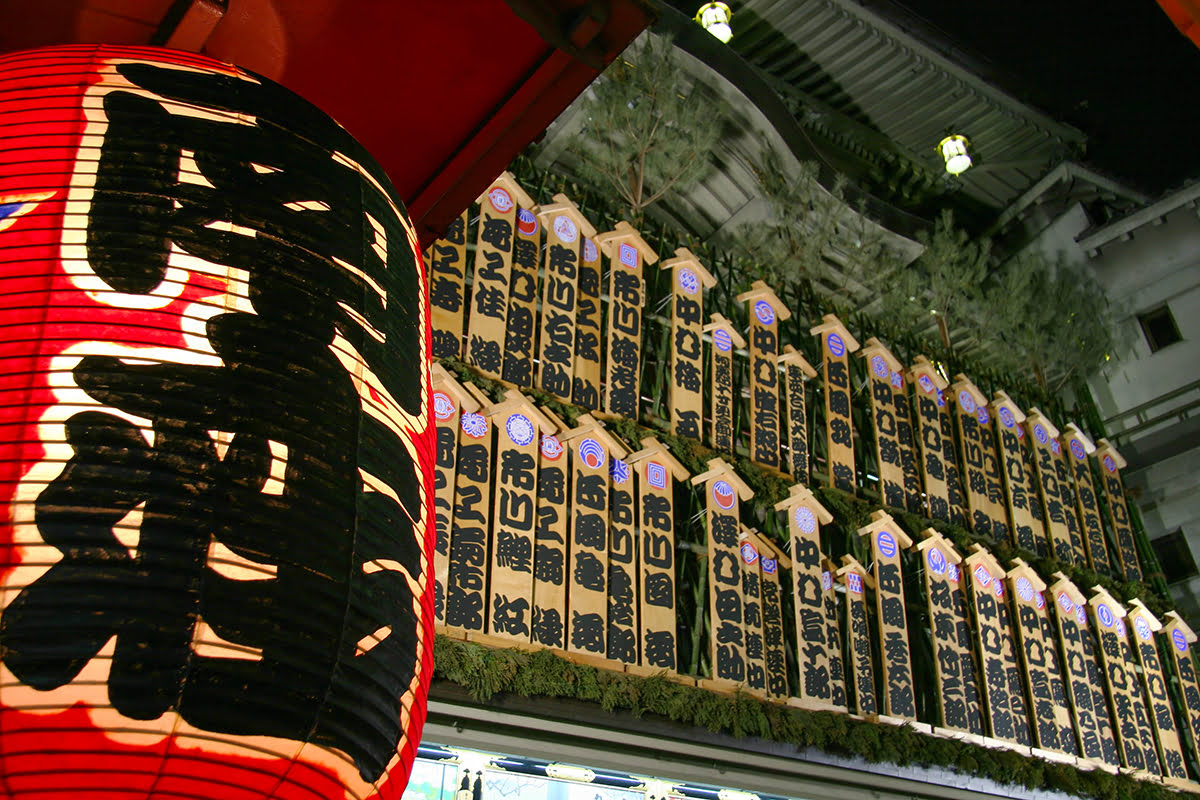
<point x="850" y="564"/>
<point x="1138" y="609"/>
<point x="923" y="366"/>
<point x="1072" y="431"/>
<point x="1064" y="584"/>
<point x="562" y="206"/>
<point x="874" y="347"/>
<point x="653" y="448"/>
<point x="801" y="495"/>
<point x="831" y="324"/>
<point x="587" y="425"/>
<point x="507" y="181"/>
<point x="1101" y="595"/>
<point x="443" y="381"/>
<point x="624" y="232"/>
<point x="880" y="521"/>
<point x="963" y="384"/>
<point x="981" y="555"/>
<point x="1174" y="621"/>
<point x="1001" y="400"/>
<point x="719" y="322"/>
<point x="1022" y="570"/>
<point x="760" y="291"/>
<point x="717" y="468"/>
<point x="793" y="356"/>
<point x="514" y="401"/>
<point x="686" y="258"/>
<point x="766" y="546"/>
<point x="933" y="538"/>
<point x="1105" y="448"/>
<point x="1035" y="418"/>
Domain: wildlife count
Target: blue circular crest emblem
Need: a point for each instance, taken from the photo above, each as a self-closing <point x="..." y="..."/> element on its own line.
<point x="966" y="402"/>
<point x="806" y="521"/>
<point x="519" y="429"/>
<point x="688" y="281"/>
<point x="835" y="344"/>
<point x="937" y="561"/>
<point x="1077" y="450"/>
<point x="887" y="544"/>
<point x="722" y="340"/>
<point x="1006" y="417"/>
<point x="764" y="312"/>
<point x="879" y="366"/>
<point x="1180" y="641"/>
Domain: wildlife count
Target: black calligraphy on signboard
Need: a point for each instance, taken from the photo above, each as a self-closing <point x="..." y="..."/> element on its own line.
<point x="1017" y="483"/>
<point x="585" y="391"/>
<point x="1189" y="683"/>
<point x="1158" y="696"/>
<point x="933" y="456"/>
<point x="687" y="363"/>
<point x="838" y="423"/>
<point x="519" y="334"/>
<point x="556" y="345"/>
<point x="550" y="551"/>
<point x="1088" y="506"/>
<point x="861" y="669"/>
<point x="773" y="641"/>
<point x="815" y="640"/>
<point x="656" y="522"/>
<point x="588" y="586"/>
<point x="797" y="417"/>
<point x="1091" y="722"/>
<point x="1118" y="515"/>
<point x="725" y="583"/>
<point x="722" y="391"/>
<point x="446" y="412"/>
<point x="626" y="296"/>
<point x="622" y="566"/>
<point x="490" y="280"/>
<point x="447" y="276"/>
<point x="764" y="383"/>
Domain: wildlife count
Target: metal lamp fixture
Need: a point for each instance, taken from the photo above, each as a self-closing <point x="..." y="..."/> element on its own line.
<point x="954" y="150"/>
<point x="714" y="18"/>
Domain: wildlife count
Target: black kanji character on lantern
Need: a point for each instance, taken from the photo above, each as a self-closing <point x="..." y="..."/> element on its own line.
<point x="314" y="534"/>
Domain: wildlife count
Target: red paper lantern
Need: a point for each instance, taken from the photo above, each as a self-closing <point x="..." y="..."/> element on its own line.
<point x="217" y="456"/>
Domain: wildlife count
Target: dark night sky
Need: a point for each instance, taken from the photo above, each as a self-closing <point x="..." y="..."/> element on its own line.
<point x="1116" y="69"/>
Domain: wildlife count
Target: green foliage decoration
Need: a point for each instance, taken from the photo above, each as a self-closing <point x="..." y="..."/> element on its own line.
<point x="486" y="672"/>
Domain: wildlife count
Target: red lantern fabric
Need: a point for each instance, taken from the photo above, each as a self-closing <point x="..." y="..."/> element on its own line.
<point x="216" y="450"/>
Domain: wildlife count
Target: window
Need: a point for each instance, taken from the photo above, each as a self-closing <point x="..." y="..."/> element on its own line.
<point x="1174" y="556"/>
<point x="1159" y="328"/>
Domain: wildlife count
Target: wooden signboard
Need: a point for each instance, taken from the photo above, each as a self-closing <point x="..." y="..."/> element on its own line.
<point x="519" y="425"/>
<point x="939" y="473"/>
<point x="910" y="454"/>
<point x="752" y="616"/>
<point x="816" y="641"/>
<point x="861" y="670"/>
<point x="522" y="301"/>
<point x="1144" y="625"/>
<point x="627" y="254"/>
<point x="467" y="577"/>
<point x="881" y="366"/>
<point x="1027" y="532"/>
<point x="447" y="262"/>
<point x="836" y="345"/>
<point x="585" y="386"/>
<point x="766" y="312"/>
<point x="887" y="542"/>
<point x="725" y="339"/>
<point x="1016" y="676"/>
<point x="1044" y="440"/>
<point x="1005" y="712"/>
<point x="796" y="372"/>
<point x="591" y="447"/>
<point x="492" y="273"/>
<point x="837" y="670"/>
<point x="1111" y="465"/>
<point x="723" y="490"/>
<point x="565" y="227"/>
<point x="450" y="400"/>
<point x="979" y="461"/>
<point x="656" y="471"/>
<point x="1179" y="639"/>
<point x="623" y="624"/>
<point x="550" y="553"/>
<point x="1066" y="493"/>
<point x="1138" y="750"/>
<point x="1079" y="447"/>
<point x="771" y="559"/>
<point x="1050" y="714"/>
<point x="1089" y="705"/>
<point x="685" y="389"/>
<point x="953" y="652"/>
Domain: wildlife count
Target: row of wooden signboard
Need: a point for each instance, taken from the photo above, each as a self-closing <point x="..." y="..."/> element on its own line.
<point x="561" y="537"/>
<point x="943" y="451"/>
